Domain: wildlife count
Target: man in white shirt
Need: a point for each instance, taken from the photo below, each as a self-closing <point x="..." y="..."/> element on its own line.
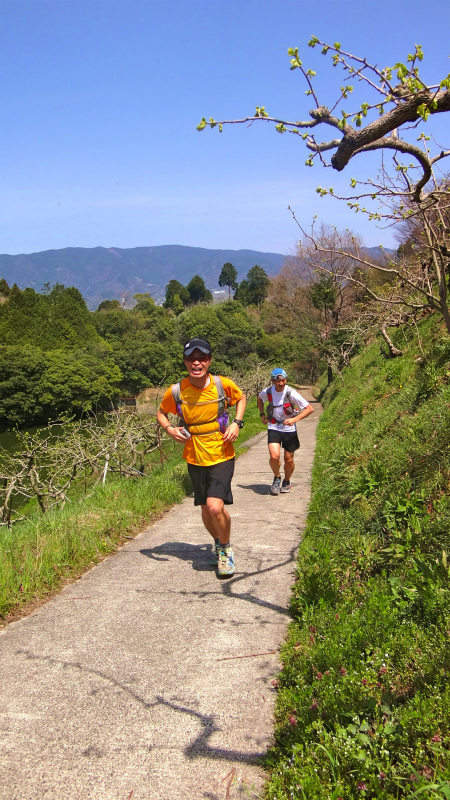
<point x="286" y="407"/>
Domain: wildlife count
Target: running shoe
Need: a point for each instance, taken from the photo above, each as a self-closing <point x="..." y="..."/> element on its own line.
<point x="215" y="553"/>
<point x="285" y="486"/>
<point x="276" y="486"/>
<point x="226" y="564"/>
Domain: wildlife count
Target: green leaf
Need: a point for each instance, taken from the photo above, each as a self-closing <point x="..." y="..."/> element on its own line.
<point x="313" y="41"/>
<point x="337" y="45"/>
<point x="202" y="125"/>
<point x="423" y="111"/>
<point x="402" y="71"/>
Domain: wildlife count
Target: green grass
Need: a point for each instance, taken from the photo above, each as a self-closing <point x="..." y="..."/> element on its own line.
<point x="38" y="556"/>
<point x="363" y="705"/>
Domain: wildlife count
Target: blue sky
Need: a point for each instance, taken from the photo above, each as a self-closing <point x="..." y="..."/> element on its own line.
<point x="100" y="100"/>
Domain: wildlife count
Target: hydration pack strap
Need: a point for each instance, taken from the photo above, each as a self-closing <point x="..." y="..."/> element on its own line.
<point x="288" y="407"/>
<point x="222" y="416"/>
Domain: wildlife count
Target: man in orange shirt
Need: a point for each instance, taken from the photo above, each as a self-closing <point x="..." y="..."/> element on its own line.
<point x="208" y="444"/>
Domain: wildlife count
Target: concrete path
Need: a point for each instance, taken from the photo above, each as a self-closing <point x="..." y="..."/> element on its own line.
<point x="149" y="678"/>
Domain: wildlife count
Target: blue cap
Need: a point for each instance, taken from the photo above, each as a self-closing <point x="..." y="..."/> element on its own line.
<point x="278" y="373"/>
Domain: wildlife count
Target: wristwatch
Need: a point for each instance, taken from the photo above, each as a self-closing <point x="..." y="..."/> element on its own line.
<point x="239" y="423"/>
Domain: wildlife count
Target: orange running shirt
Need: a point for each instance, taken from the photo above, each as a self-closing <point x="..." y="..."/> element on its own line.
<point x="208" y="448"/>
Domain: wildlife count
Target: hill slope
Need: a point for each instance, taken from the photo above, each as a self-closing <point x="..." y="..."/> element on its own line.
<point x="364" y="696"/>
<point x="102" y="273"/>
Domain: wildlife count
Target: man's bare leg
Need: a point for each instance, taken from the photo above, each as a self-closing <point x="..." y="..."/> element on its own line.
<point x="274" y="458"/>
<point x="289" y="465"/>
<point x="216" y="519"/>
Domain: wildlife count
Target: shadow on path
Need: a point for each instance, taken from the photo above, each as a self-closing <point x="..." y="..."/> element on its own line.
<point x="257" y="488"/>
<point x="189" y="552"/>
<point x="198" y="554"/>
<point x="199" y="748"/>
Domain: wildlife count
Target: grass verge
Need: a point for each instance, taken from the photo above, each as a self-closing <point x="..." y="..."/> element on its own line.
<point x="38" y="556"/>
<point x="363" y="708"/>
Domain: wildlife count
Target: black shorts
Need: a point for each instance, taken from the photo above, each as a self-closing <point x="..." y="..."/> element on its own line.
<point x="289" y="441"/>
<point x="214" y="481"/>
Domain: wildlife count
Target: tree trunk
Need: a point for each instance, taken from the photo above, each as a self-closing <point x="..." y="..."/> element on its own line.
<point x="393" y="351"/>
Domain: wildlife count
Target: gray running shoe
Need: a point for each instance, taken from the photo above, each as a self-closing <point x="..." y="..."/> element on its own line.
<point x="285" y="486"/>
<point x="214" y="560"/>
<point x="276" y="486"/>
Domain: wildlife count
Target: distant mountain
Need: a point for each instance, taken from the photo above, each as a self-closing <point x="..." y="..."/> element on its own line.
<point x="102" y="273"/>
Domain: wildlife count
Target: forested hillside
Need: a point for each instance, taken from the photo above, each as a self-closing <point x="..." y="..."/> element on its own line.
<point x="58" y="358"/>
<point x="102" y="273"/>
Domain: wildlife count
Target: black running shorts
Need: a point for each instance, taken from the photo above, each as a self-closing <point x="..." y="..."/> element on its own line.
<point x="214" y="481"/>
<point x="289" y="441"/>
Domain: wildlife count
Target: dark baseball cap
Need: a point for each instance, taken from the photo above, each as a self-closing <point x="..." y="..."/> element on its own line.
<point x="197" y="344"/>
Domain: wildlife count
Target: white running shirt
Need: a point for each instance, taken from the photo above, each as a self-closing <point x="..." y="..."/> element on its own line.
<point x="278" y="399"/>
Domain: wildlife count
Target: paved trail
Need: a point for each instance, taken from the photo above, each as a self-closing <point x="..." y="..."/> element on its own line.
<point x="140" y="681"/>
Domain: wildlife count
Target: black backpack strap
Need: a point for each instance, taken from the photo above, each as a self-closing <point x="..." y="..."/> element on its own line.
<point x="270" y="416"/>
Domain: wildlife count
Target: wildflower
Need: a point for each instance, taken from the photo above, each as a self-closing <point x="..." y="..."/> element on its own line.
<point x="382" y="776"/>
<point x="274" y="682"/>
<point x="327" y="673"/>
<point x="292" y="720"/>
<point x="319" y="676"/>
<point x="436" y="738"/>
<point x="314" y="705"/>
<point x="312" y="629"/>
<point x="382" y="670"/>
<point x="336" y="616"/>
<point x="364" y="681"/>
<point x="343" y="671"/>
<point x="362" y="786"/>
